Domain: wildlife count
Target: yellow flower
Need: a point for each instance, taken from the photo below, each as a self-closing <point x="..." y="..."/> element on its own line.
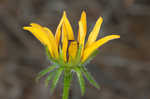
<point x="67" y="53"/>
<point x="69" y="44"/>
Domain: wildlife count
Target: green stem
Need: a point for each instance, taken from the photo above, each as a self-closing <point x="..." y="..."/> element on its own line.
<point x="67" y="81"/>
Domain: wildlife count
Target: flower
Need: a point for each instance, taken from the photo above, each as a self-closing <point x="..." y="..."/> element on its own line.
<point x="68" y="54"/>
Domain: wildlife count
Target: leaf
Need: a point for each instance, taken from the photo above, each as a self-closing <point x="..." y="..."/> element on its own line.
<point x="81" y="80"/>
<point x="49" y="78"/>
<point x="67" y="83"/>
<point x="45" y="71"/>
<point x="89" y="77"/>
<point x="56" y="78"/>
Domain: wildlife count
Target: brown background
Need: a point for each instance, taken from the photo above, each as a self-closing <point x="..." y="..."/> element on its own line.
<point x="122" y="67"/>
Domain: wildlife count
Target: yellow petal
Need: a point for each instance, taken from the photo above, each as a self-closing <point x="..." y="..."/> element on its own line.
<point x="94" y="33"/>
<point x="82" y="36"/>
<point x="35" y="34"/>
<point x="64" y="42"/>
<point x="58" y="30"/>
<point x="41" y="35"/>
<point x="52" y="41"/>
<point x="83" y="20"/>
<point x="89" y="50"/>
<point x="38" y="30"/>
<point x="36" y="25"/>
<point x="69" y="29"/>
<point x="72" y="50"/>
<point x="82" y="29"/>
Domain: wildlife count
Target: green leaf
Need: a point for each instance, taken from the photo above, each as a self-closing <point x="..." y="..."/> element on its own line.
<point x="89" y="77"/>
<point x="67" y="83"/>
<point x="81" y="80"/>
<point x="45" y="71"/>
<point x="91" y="57"/>
<point x="49" y="77"/>
<point x="56" y="78"/>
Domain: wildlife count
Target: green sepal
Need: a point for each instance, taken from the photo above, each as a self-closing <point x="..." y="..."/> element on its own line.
<point x="49" y="77"/>
<point x="52" y="60"/>
<point x="89" y="77"/>
<point x="90" y="57"/>
<point x="44" y="72"/>
<point x="47" y="53"/>
<point x="67" y="83"/>
<point x="78" y="56"/>
<point x="61" y="60"/>
<point x="56" y="78"/>
<point x="81" y="80"/>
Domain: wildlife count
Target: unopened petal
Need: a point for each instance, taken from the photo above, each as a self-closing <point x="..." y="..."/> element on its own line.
<point x="58" y="30"/>
<point x="72" y="50"/>
<point x="69" y="29"/>
<point x="64" y="42"/>
<point x="81" y="35"/>
<point x="82" y="30"/>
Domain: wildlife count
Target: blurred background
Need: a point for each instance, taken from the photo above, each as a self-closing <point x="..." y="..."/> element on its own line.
<point x="122" y="67"/>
